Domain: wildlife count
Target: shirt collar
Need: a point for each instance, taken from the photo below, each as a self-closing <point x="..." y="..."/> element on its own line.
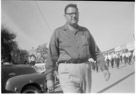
<point x="66" y="27"/>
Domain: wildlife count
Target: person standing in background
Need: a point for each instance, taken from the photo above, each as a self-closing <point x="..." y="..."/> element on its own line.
<point x="32" y="60"/>
<point x="107" y="59"/>
<point x="112" y="59"/>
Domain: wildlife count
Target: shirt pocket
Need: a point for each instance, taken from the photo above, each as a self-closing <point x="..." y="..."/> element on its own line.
<point x="84" y="41"/>
<point x="65" y="43"/>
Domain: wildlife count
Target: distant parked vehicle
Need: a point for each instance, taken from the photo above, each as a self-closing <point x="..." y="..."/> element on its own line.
<point x="22" y="79"/>
<point x="40" y="67"/>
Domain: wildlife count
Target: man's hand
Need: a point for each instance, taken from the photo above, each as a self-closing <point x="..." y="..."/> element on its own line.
<point x="91" y="60"/>
<point x="50" y="85"/>
<point x="106" y="75"/>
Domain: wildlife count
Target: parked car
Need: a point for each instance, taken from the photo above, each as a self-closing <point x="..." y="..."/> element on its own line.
<point x="22" y="79"/>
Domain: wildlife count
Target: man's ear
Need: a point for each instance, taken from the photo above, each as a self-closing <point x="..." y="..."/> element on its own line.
<point x="65" y="15"/>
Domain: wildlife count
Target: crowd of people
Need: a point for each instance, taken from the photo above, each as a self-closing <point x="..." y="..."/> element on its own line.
<point x="116" y="58"/>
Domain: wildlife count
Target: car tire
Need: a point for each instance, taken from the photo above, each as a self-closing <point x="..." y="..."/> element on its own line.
<point x="31" y="89"/>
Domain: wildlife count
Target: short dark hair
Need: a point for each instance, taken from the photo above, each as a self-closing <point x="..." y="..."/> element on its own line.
<point x="70" y="5"/>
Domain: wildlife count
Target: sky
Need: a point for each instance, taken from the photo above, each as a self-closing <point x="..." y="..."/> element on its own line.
<point x="110" y="23"/>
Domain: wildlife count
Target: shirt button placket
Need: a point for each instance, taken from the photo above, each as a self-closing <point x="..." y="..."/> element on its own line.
<point x="77" y="45"/>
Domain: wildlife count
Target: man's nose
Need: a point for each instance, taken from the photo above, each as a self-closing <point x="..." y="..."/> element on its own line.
<point x="73" y="16"/>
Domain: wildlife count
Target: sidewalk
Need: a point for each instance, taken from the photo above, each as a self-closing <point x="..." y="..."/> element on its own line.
<point x="99" y="85"/>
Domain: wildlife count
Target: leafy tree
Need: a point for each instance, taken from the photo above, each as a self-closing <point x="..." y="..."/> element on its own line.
<point x="19" y="56"/>
<point x="8" y="43"/>
<point x="41" y="51"/>
<point x="9" y="48"/>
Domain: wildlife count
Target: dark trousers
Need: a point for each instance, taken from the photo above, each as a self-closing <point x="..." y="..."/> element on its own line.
<point x="130" y="58"/>
<point x="94" y="66"/>
<point x="107" y="61"/>
<point x="112" y="63"/>
<point x="126" y="60"/>
<point x="117" y="62"/>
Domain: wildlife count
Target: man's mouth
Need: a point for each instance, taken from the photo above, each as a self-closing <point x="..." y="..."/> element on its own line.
<point x="74" y="19"/>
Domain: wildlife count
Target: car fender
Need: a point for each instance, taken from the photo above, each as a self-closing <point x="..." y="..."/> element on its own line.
<point x="17" y="83"/>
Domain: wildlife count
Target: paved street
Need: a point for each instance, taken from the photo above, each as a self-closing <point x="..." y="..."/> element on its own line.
<point x="122" y="81"/>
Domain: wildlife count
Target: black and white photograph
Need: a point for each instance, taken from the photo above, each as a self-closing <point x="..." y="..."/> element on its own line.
<point x="67" y="46"/>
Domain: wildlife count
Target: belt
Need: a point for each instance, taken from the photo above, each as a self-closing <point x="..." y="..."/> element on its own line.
<point x="77" y="61"/>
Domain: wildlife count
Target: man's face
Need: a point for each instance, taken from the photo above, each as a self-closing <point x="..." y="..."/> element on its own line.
<point x="32" y="58"/>
<point x="72" y="15"/>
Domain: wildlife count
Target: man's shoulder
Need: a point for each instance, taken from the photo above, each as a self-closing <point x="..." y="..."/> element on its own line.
<point x="60" y="28"/>
<point x="83" y="28"/>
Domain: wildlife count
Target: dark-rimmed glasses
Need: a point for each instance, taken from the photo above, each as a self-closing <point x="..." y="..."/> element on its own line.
<point x="73" y="13"/>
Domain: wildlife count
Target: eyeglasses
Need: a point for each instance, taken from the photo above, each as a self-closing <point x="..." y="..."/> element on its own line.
<point x="73" y="13"/>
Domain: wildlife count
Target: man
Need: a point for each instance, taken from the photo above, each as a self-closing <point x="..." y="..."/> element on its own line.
<point x="110" y="59"/>
<point x="133" y="56"/>
<point x="107" y="59"/>
<point x="117" y="59"/>
<point x="32" y="60"/>
<point x="72" y="46"/>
